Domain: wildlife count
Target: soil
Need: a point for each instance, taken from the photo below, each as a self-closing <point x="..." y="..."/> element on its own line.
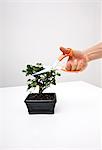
<point x="41" y="96"/>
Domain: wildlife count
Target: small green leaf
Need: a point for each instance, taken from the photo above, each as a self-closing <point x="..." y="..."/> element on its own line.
<point x="28" y="66"/>
<point x="28" y="80"/>
<point x="39" y="64"/>
<point x="58" y="74"/>
<point x="34" y="84"/>
<point x="29" y="86"/>
<point x="23" y="70"/>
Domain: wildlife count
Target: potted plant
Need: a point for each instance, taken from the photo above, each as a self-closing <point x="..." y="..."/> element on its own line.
<point x="40" y="103"/>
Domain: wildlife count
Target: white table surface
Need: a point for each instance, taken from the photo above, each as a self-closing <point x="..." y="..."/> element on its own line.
<point x="75" y="124"/>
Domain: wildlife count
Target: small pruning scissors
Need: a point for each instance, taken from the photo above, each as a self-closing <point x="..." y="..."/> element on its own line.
<point x="54" y="65"/>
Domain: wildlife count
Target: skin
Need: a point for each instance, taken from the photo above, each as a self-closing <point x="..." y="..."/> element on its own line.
<point x="79" y="60"/>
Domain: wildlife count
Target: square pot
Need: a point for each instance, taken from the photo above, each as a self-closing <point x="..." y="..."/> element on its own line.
<point x="41" y="103"/>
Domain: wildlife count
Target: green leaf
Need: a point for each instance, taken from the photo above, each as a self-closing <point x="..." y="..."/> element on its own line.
<point x="34" y="84"/>
<point x="23" y="70"/>
<point x="39" y="64"/>
<point x="28" y="80"/>
<point x="53" y="82"/>
<point x="29" y="86"/>
<point x="58" y="74"/>
<point x="28" y="66"/>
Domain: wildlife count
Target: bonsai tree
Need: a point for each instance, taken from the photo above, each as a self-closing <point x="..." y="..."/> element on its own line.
<point x="43" y="81"/>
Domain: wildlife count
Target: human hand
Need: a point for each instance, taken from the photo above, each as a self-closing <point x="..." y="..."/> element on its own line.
<point x="76" y="62"/>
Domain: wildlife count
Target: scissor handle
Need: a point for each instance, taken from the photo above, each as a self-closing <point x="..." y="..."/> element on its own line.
<point x="70" y="54"/>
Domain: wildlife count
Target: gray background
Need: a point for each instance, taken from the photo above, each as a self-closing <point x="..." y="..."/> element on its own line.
<point x="33" y="31"/>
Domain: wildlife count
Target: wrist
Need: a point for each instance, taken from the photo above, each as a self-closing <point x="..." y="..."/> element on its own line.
<point x="87" y="55"/>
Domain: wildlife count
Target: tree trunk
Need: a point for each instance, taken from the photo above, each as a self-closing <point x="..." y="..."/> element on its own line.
<point x="40" y="89"/>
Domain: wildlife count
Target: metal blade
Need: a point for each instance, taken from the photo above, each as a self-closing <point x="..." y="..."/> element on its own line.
<point x="55" y="64"/>
<point x="48" y="68"/>
<point x="42" y="71"/>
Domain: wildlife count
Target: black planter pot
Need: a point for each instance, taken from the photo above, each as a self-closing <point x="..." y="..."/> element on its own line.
<point x="43" y="103"/>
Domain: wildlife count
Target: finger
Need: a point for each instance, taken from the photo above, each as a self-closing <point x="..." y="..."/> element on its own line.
<point x="62" y="57"/>
<point x="84" y="66"/>
<point x="65" y="50"/>
<point x="63" y="69"/>
<point x="74" y="65"/>
<point x="80" y="65"/>
<point x="68" y="66"/>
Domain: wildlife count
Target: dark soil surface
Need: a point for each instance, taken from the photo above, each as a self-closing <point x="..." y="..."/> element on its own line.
<point x="41" y="96"/>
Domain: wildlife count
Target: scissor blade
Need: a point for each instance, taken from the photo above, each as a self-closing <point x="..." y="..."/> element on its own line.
<point x="42" y="71"/>
<point x="48" y="68"/>
<point x="55" y="64"/>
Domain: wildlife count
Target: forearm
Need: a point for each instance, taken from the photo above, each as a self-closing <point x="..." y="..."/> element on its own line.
<point x="94" y="52"/>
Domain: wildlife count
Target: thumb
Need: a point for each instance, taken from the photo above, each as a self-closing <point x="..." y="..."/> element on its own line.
<point x="65" y="50"/>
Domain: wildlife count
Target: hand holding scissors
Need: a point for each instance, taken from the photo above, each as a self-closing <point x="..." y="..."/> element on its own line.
<point x="76" y="62"/>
